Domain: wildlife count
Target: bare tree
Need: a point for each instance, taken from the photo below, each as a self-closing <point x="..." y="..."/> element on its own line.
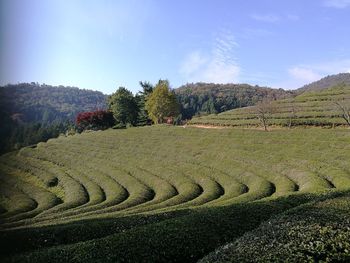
<point x="263" y="111"/>
<point x="292" y="114"/>
<point x="344" y="107"/>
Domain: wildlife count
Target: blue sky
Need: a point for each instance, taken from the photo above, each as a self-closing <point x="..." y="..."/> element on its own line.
<point x="101" y="45"/>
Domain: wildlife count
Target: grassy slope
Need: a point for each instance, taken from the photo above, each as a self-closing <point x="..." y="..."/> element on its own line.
<point x="310" y="108"/>
<point x="160" y="193"/>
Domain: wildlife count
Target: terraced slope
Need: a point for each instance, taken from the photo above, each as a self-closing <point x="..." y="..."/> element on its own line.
<point x="310" y="108"/>
<point x="136" y="189"/>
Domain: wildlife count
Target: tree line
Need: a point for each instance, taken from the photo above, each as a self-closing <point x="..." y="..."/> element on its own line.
<point x="154" y="104"/>
<point x="208" y="98"/>
<point x="30" y="112"/>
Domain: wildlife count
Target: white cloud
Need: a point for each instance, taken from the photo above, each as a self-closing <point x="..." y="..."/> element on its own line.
<point x="270" y="18"/>
<point x="300" y="75"/>
<point x="220" y="66"/>
<point x="193" y="63"/>
<point x="337" y="3"/>
<point x="332" y="67"/>
<point x="304" y="74"/>
<point x="219" y="72"/>
<point x="274" y="18"/>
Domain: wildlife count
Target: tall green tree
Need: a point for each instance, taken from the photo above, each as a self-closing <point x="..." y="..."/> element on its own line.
<point x="141" y="98"/>
<point x="162" y="103"/>
<point x="124" y="107"/>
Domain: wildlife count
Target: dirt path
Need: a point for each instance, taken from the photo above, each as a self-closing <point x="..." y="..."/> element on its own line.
<point x="205" y="126"/>
<point x="237" y="127"/>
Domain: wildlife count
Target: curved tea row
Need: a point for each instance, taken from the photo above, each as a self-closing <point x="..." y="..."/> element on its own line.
<point x="158" y="169"/>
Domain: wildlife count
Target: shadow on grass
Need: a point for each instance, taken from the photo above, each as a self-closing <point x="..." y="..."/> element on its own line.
<point x="179" y="236"/>
<point x="313" y="232"/>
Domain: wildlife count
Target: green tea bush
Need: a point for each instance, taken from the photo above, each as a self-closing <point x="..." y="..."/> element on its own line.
<point x="170" y="194"/>
<point x="318" y="232"/>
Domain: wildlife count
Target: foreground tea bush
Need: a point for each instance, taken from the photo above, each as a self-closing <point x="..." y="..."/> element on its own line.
<point x="173" y="237"/>
<point x="318" y="232"/>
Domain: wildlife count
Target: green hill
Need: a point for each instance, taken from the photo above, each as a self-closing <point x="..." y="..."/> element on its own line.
<point x="317" y="108"/>
<point x="32" y="102"/>
<point x="207" y="98"/>
<point x="326" y="82"/>
<point x="166" y="194"/>
<point x="30" y="113"/>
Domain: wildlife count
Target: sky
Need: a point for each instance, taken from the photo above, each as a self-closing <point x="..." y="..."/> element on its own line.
<point x="104" y="44"/>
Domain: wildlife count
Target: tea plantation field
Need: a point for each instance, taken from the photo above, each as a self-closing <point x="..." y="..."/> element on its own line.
<point x="174" y="194"/>
<point x="316" y="108"/>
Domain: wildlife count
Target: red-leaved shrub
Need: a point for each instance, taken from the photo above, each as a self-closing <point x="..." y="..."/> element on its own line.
<point x="94" y="120"/>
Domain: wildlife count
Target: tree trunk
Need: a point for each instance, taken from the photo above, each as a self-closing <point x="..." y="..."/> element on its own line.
<point x="346" y="112"/>
<point x="262" y="119"/>
<point x="265" y="126"/>
<point x="347" y="118"/>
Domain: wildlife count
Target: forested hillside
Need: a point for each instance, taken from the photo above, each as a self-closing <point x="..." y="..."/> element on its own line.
<point x="209" y="98"/>
<point x="31" y="102"/>
<point x="326" y="82"/>
<point x="31" y="112"/>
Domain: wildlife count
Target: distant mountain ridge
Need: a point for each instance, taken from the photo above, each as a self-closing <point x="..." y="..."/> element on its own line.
<point x="32" y="102"/>
<point x="30" y="112"/>
<point x="326" y="82"/>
